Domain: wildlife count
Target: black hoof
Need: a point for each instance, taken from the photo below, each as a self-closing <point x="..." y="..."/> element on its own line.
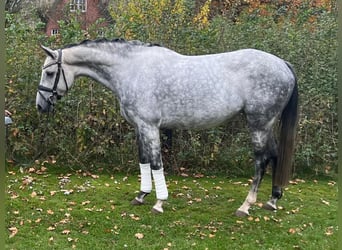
<point x="155" y="211"/>
<point x="136" y="202"/>
<point x="240" y="213"/>
<point x="269" y="207"/>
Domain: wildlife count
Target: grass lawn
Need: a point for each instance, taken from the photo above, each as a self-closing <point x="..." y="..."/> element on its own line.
<point x="51" y="208"/>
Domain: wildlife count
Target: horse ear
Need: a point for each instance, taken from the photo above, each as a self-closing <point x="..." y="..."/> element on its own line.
<point x="49" y="52"/>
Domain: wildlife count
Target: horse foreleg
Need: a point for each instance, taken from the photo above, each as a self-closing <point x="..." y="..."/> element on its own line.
<point x="150" y="155"/>
<point x="161" y="190"/>
<point x="145" y="184"/>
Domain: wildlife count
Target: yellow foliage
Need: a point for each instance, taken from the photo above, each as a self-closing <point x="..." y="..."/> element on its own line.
<point x="202" y="18"/>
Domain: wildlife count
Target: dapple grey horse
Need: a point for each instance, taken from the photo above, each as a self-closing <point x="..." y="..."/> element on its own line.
<point x="159" y="88"/>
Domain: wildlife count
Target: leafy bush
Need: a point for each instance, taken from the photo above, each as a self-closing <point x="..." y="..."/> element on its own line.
<point x="87" y="129"/>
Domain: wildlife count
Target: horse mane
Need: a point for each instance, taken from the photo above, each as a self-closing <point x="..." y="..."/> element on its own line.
<point x="88" y="42"/>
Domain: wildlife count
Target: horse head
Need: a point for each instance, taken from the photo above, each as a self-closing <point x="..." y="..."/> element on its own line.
<point x="55" y="80"/>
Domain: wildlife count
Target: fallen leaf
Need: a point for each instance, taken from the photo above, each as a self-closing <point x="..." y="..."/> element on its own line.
<point x="199" y="175"/>
<point x="85" y="203"/>
<point x="211" y="235"/>
<point x="134" y="217"/>
<point x="66" y="232"/>
<point x="31" y="170"/>
<point x="13" y="231"/>
<point x="332" y="183"/>
<point x="139" y="236"/>
<point x="325" y="202"/>
<point x="329" y="231"/>
<point x="33" y="194"/>
<point x="14" y="195"/>
<point x="50" y="212"/>
<point x="266" y="218"/>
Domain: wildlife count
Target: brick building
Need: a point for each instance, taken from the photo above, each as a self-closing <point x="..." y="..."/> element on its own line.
<point x="87" y="11"/>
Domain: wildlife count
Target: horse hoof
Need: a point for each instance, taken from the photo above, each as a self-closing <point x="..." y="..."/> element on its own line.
<point x="269" y="206"/>
<point x="156" y="211"/>
<point x="136" y="202"/>
<point x="240" y="213"/>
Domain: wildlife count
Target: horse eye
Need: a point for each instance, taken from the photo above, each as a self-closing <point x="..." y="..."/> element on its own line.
<point x="49" y="74"/>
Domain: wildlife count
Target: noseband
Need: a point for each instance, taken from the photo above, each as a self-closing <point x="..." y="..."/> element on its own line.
<point x="53" y="91"/>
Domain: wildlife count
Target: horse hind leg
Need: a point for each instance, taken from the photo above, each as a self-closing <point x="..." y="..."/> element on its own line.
<point x="276" y="190"/>
<point x="259" y="140"/>
<point x="260" y="165"/>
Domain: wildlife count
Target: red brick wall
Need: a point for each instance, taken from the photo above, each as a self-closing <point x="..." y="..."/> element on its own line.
<point x="62" y="9"/>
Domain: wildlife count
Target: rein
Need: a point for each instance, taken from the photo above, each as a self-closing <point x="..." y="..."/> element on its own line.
<point x="53" y="91"/>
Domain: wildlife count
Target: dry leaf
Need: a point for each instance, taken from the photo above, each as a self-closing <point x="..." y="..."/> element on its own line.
<point x="325" y="202"/>
<point x="329" y="231"/>
<point x="13" y="231"/>
<point x="33" y="194"/>
<point x="85" y="203"/>
<point x="32" y="170"/>
<point x="266" y="218"/>
<point x="50" y="212"/>
<point x="14" y="195"/>
<point x="134" y="217"/>
<point x="66" y="232"/>
<point x="139" y="236"/>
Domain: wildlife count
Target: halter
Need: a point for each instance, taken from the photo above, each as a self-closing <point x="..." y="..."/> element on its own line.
<point x="53" y="91"/>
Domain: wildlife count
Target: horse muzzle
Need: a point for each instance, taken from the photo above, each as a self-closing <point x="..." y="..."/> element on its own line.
<point x="45" y="104"/>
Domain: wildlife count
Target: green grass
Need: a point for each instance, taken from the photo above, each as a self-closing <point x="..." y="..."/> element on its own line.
<point x="96" y="214"/>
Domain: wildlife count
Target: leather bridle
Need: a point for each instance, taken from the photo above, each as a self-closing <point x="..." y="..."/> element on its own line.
<point x="53" y="90"/>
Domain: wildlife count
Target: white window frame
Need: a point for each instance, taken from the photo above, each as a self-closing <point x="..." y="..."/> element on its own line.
<point x="76" y="5"/>
<point x="54" y="32"/>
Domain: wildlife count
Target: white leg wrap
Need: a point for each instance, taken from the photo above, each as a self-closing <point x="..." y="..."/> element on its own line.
<point x="160" y="184"/>
<point x="146" y="178"/>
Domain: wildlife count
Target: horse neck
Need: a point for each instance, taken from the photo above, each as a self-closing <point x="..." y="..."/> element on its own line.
<point x="95" y="63"/>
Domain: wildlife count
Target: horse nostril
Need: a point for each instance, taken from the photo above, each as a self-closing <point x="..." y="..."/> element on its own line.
<point x="40" y="109"/>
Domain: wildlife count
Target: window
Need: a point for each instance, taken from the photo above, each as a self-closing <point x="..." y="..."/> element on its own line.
<point x="54" y="32"/>
<point x="78" y="5"/>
